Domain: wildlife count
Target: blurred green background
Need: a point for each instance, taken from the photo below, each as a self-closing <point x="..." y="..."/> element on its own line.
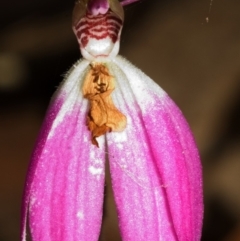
<point x="191" y="52"/>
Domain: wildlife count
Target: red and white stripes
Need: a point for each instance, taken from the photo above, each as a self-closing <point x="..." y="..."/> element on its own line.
<point x="103" y="29"/>
<point x="98" y="27"/>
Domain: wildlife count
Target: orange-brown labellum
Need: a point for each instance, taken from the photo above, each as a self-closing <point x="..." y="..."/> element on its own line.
<point x="103" y="116"/>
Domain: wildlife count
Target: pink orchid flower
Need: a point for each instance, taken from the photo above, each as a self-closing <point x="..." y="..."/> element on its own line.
<point x="154" y="163"/>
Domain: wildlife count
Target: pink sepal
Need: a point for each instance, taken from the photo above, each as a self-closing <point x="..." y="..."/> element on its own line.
<point x="127" y="2"/>
<point x="65" y="184"/>
<point x="154" y="163"/>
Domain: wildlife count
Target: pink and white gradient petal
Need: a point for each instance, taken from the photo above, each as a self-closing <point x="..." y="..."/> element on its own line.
<point x="65" y="185"/>
<point x="154" y="163"/>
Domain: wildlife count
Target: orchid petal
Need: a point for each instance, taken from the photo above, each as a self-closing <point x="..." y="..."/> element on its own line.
<point x="127" y="2"/>
<point x="96" y="7"/>
<point x="65" y="185"/>
<point x="154" y="163"/>
<point x="154" y="166"/>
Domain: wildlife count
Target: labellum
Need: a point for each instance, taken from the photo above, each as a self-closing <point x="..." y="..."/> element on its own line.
<point x="108" y="107"/>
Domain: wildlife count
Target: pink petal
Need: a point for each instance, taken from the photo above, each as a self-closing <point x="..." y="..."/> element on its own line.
<point x="154" y="163"/>
<point x="65" y="184"/>
<point x="127" y="2"/>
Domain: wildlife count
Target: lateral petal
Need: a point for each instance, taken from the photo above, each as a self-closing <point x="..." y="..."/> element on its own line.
<point x="96" y="7"/>
<point x="65" y="183"/>
<point x="154" y="163"/>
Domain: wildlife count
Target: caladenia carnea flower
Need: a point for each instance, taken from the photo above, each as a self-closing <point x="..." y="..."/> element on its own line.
<point x="108" y="109"/>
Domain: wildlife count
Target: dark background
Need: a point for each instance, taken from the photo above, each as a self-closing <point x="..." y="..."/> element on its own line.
<point x="195" y="59"/>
